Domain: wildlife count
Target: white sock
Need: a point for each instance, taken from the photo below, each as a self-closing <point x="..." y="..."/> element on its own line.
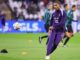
<point x="48" y="57"/>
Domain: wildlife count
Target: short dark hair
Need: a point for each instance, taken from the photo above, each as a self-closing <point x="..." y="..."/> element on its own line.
<point x="65" y="5"/>
<point x="58" y="2"/>
<point x="73" y="6"/>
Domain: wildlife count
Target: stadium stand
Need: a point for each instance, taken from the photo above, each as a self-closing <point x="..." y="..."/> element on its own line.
<point x="24" y="9"/>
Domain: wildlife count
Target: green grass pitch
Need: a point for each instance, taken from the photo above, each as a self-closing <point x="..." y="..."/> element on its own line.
<point x="26" y="47"/>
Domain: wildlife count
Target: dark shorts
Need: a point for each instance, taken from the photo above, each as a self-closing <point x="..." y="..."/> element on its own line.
<point x="46" y="27"/>
<point x="69" y="28"/>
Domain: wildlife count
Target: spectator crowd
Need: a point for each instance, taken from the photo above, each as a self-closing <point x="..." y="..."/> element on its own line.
<point x="29" y="9"/>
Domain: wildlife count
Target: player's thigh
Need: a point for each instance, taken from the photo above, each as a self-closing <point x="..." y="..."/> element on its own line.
<point x="51" y="38"/>
<point x="51" y="41"/>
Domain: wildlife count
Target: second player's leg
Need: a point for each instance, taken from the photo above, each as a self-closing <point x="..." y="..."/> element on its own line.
<point x="68" y="34"/>
<point x="45" y="36"/>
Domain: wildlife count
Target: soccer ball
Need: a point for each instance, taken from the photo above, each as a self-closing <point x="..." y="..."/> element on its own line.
<point x="16" y="26"/>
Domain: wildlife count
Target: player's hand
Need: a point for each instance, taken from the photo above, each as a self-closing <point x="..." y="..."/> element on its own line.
<point x="51" y="28"/>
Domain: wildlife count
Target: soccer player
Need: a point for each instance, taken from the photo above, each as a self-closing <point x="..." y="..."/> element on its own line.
<point x="58" y="24"/>
<point x="47" y="18"/>
<point x="75" y="20"/>
<point x="3" y="24"/>
<point x="68" y="27"/>
<point x="2" y="17"/>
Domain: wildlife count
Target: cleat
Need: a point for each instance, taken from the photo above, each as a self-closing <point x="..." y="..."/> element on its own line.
<point x="47" y="57"/>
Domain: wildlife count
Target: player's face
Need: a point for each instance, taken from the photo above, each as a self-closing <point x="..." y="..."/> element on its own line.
<point x="74" y="8"/>
<point x="56" y="6"/>
<point x="50" y="7"/>
<point x="67" y="7"/>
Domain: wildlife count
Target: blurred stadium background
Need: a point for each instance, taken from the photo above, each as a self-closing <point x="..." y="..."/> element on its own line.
<point x="23" y="44"/>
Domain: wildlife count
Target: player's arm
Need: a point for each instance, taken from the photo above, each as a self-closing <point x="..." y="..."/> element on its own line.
<point x="51" y="23"/>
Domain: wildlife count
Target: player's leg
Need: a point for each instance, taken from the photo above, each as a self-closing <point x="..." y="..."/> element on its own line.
<point x="74" y="27"/>
<point x="53" y="43"/>
<point x="42" y="37"/>
<point x="45" y="36"/>
<point x="49" y="33"/>
<point x="64" y="36"/>
<point x="69" y="34"/>
<point x="66" y="41"/>
<point x="47" y="41"/>
<point x="50" y="44"/>
<point x="58" y="38"/>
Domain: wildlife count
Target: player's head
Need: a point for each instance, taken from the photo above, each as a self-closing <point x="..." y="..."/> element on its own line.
<point x="50" y="6"/>
<point x="74" y="7"/>
<point x="57" y="5"/>
<point x="66" y="6"/>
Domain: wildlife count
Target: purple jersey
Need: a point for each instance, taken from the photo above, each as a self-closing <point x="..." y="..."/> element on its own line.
<point x="58" y="20"/>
